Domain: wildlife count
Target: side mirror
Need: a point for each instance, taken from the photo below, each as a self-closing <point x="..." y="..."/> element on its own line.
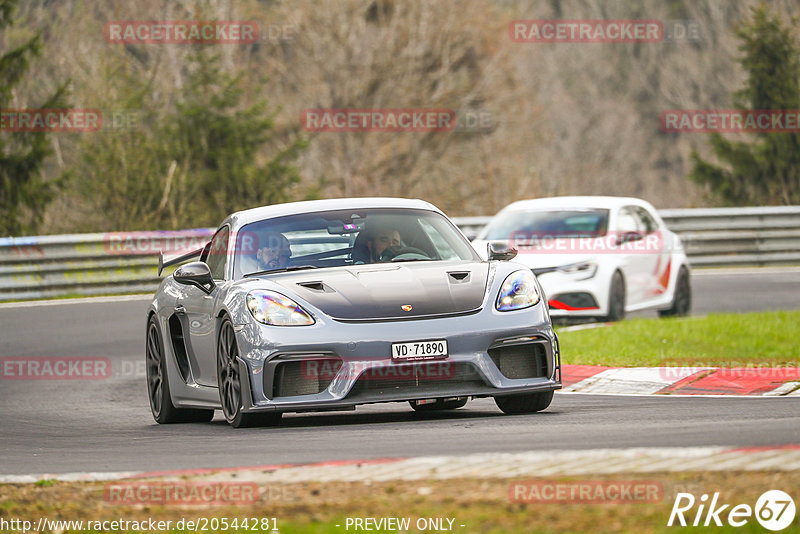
<point x="629" y="237"/>
<point x="500" y="251"/>
<point x="195" y="274"/>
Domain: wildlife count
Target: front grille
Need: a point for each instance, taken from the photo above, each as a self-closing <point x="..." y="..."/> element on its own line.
<point x="575" y="300"/>
<point x="304" y="377"/>
<point x="528" y="360"/>
<point x="396" y="378"/>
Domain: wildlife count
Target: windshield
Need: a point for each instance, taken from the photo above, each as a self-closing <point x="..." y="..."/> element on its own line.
<point x="347" y="237"/>
<point x="545" y="224"/>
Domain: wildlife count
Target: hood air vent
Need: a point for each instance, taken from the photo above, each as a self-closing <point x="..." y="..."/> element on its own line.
<point x="316" y="286"/>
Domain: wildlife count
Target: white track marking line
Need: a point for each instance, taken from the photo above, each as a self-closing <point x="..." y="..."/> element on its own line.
<point x="679" y="395"/>
<point x="587" y="326"/>
<point x="536" y="464"/>
<point x="700" y="271"/>
<point x="88" y="300"/>
<point x="633" y="380"/>
<point x="785" y="389"/>
<point x="68" y="477"/>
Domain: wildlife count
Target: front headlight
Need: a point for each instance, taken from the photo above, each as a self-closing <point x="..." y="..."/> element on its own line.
<point x="518" y="291"/>
<point x="273" y="308"/>
<point x="584" y="269"/>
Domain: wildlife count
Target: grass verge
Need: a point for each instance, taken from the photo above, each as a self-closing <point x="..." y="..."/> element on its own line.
<point x="764" y="339"/>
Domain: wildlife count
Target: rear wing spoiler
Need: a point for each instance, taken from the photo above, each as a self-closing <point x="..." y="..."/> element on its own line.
<point x="177" y="260"/>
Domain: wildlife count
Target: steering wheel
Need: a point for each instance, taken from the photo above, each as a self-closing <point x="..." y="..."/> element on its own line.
<point x="394" y="253"/>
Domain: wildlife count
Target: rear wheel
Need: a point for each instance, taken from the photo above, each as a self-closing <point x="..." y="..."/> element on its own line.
<point x="229" y="380"/>
<point x="616" y="299"/>
<point x="529" y="403"/>
<point x="164" y="412"/>
<point x="439" y="405"/>
<point x="682" y="300"/>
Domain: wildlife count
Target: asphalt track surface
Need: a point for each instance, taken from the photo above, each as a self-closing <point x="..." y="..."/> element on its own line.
<point x="66" y="426"/>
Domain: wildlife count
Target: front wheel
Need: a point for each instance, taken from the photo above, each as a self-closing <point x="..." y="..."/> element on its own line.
<point x="164" y="412"/>
<point x="616" y="299"/>
<point x="229" y="380"/>
<point x="682" y="300"/>
<point x="529" y="403"/>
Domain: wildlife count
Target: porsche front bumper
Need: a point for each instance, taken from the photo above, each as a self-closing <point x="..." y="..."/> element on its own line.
<point x="490" y="353"/>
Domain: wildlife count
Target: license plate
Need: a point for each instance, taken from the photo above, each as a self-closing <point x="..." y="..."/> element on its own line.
<point x="419" y="350"/>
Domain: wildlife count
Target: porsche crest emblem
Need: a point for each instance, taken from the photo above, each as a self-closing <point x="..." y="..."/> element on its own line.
<point x="407" y="307"/>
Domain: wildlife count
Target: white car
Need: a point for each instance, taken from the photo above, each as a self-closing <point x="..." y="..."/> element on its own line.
<point x="596" y="256"/>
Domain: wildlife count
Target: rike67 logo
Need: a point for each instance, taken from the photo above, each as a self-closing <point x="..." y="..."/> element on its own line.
<point x="774" y="510"/>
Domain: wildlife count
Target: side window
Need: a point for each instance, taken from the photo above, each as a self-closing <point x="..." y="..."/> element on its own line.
<point x="648" y="222"/>
<point x="626" y="221"/>
<point x="218" y="253"/>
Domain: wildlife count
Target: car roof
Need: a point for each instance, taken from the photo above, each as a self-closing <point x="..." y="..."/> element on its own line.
<point x="570" y="202"/>
<point x="240" y="218"/>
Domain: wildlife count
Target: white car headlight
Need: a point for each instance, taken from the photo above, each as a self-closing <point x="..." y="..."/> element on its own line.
<point x="584" y="269"/>
<point x="273" y="308"/>
<point x="518" y="291"/>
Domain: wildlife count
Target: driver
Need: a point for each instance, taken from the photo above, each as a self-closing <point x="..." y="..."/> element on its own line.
<point x="275" y="254"/>
<point x="382" y="239"/>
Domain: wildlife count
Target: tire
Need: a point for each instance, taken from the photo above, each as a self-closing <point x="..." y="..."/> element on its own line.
<point x="616" y="299"/>
<point x="529" y="403"/>
<point x="682" y="299"/>
<point x="230" y="386"/>
<point x="439" y="405"/>
<point x="164" y="412"/>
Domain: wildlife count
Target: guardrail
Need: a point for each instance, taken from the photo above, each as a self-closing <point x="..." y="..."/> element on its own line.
<point x="126" y="262"/>
<point x="88" y="264"/>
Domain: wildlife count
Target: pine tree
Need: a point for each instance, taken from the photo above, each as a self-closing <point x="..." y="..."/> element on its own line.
<point x="190" y="165"/>
<point x="23" y="191"/>
<point x="227" y="149"/>
<point x="767" y="170"/>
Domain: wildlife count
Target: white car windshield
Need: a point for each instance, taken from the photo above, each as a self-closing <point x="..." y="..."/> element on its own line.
<point x="347" y="237"/>
<point x="544" y="224"/>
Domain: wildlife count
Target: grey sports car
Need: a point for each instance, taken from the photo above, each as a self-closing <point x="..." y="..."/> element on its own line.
<point x="325" y="305"/>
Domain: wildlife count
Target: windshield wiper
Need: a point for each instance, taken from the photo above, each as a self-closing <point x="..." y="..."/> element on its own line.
<point x="282" y="270"/>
